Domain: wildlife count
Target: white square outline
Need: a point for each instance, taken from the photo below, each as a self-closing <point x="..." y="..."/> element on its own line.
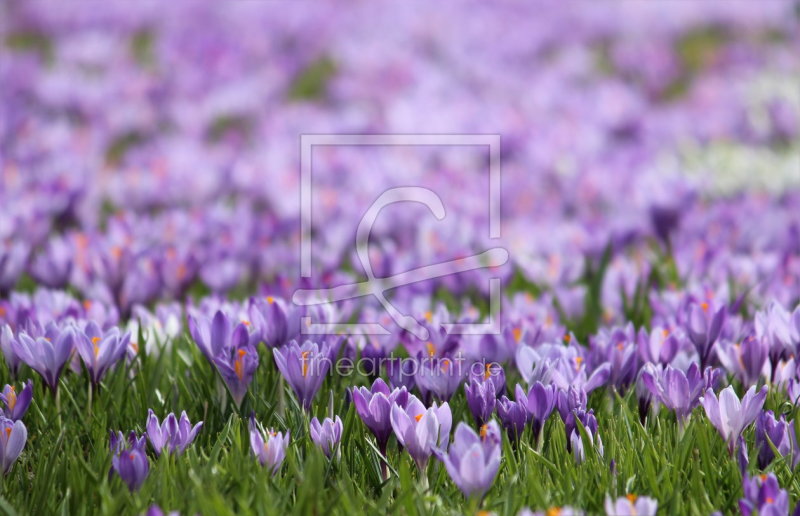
<point x="307" y="143"/>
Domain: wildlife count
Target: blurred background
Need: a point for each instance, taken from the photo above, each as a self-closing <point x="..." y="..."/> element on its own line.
<point x="149" y="151"/>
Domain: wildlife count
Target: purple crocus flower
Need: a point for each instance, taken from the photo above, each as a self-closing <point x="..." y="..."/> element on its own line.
<point x="268" y="446"/>
<point x="172" y="435"/>
<point x="631" y="505"/>
<point x="304" y="368"/>
<point x="100" y="350"/>
<point x="374" y="407"/>
<point x="473" y="459"/>
<point x="541" y="402"/>
<point x="400" y="372"/>
<point x="704" y="325"/>
<point x="421" y="429"/>
<point x="483" y="371"/>
<point x="47" y="355"/>
<point x="228" y="349"/>
<point x="773" y="328"/>
<point x="7" y="346"/>
<point x="13" y="436"/>
<point x="775" y="431"/>
<point x="678" y="391"/>
<point x="747" y="361"/>
<point x="440" y="375"/>
<point x="589" y="422"/>
<point x="659" y="346"/>
<point x="514" y="414"/>
<point x="762" y="494"/>
<point x="16" y="405"/>
<point x="481" y="399"/>
<point x="730" y="416"/>
<point x="327" y="434"/>
<point x="276" y="321"/>
<point x="130" y="460"/>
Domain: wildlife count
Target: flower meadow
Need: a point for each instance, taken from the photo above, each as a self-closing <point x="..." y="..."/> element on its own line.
<point x="642" y="355"/>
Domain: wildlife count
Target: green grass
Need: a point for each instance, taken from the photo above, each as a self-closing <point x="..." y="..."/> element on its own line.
<point x="64" y="467"/>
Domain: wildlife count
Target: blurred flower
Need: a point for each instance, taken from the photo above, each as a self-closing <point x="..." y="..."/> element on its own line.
<point x="304" y="368"/>
<point x="631" y="505"/>
<point x="228" y="349"/>
<point x="771" y="432"/>
<point x="47" y="355"/>
<point x="16" y="405"/>
<point x="99" y="350"/>
<point x="731" y="416"/>
<point x="420" y="430"/>
<point x="172" y="435"/>
<point x="13" y="436"/>
<point x="473" y="459"/>
<point x="480" y="399"/>
<point x="268" y="446"/>
<point x="514" y="414"/>
<point x="129" y="460"/>
<point x="327" y="434"/>
<point x="374" y="407"/>
<point x="763" y="495"/>
<point x="541" y="402"/>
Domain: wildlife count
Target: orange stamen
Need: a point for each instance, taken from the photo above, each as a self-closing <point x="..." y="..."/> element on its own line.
<point x="553" y="511"/>
<point x="488" y="372"/>
<point x="431" y="349"/>
<point x="270" y="299"/>
<point x="517" y="333"/>
<point x="12" y="398"/>
<point x="428" y="316"/>
<point x="305" y="363"/>
<point x="567" y="338"/>
<point x="484" y="431"/>
<point x="238" y="366"/>
<point x="631" y="497"/>
<point x="418" y="417"/>
<point x="704" y="306"/>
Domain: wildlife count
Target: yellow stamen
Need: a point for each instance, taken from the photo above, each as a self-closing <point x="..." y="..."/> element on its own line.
<point x="488" y="372"/>
<point x="484" y="431"/>
<point x="95" y="341"/>
<point x="305" y="363"/>
<point x="631" y="497"/>
<point x="135" y="346"/>
<point x="246" y="323"/>
<point x="270" y="299"/>
<point x="8" y="432"/>
<point x="431" y="349"/>
<point x="553" y="511"/>
<point x="665" y="332"/>
<point x="763" y="478"/>
<point x="517" y="333"/>
<point x="428" y="316"/>
<point x="445" y="364"/>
